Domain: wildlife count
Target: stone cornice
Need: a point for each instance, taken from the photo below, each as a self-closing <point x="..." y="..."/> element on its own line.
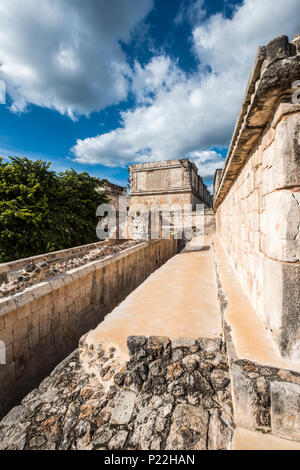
<point x="276" y="67"/>
<point x="158" y="165"/>
<point x="159" y="191"/>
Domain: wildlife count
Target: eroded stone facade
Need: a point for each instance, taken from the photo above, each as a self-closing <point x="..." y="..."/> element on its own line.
<point x="171" y="183"/>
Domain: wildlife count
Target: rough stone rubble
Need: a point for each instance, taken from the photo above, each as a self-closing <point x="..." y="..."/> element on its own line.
<point x="169" y="395"/>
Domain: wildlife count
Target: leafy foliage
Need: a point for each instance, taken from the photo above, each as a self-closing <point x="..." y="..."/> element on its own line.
<point x="41" y="211"/>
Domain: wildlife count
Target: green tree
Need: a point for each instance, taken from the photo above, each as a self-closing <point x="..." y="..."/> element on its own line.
<point x="41" y="211"/>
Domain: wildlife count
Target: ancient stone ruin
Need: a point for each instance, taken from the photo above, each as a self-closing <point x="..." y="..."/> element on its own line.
<point x="170" y="182"/>
<point x="165" y="346"/>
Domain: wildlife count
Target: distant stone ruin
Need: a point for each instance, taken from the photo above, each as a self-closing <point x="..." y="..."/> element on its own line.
<point x="168" y="182"/>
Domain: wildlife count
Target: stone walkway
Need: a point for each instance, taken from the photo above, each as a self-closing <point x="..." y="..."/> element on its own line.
<point x="178" y="300"/>
<point x="244" y="439"/>
<point x="251" y="339"/>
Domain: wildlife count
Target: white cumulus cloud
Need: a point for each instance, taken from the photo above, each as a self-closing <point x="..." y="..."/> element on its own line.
<point x="207" y="161"/>
<point x="180" y="115"/>
<point x="65" y="54"/>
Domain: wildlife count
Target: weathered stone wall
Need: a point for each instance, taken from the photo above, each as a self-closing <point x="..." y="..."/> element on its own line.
<point x="170" y="223"/>
<point x="258" y="199"/>
<point x="169" y="200"/>
<point x="8" y="271"/>
<point x="265" y="398"/>
<point x="167" y="183"/>
<point x="42" y="324"/>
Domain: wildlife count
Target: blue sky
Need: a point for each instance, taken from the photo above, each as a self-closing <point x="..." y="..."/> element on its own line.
<point x="98" y="85"/>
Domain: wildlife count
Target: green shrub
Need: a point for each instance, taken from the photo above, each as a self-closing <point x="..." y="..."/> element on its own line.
<point x="41" y="211"/>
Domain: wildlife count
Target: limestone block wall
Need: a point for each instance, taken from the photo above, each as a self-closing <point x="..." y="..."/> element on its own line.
<point x="258" y="199"/>
<point x="41" y="325"/>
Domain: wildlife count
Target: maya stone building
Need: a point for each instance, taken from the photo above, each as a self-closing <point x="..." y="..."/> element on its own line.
<point x="167" y="183"/>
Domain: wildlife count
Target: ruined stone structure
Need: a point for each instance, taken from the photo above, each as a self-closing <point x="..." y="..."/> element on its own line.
<point x="113" y="192"/>
<point x="204" y="354"/>
<point x="169" y="183"/>
<point x="168" y="187"/>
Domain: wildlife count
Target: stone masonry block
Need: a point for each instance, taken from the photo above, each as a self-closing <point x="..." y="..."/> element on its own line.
<point x="244" y="399"/>
<point x="282" y="304"/>
<point x="23" y="312"/>
<point x="280" y="224"/>
<point x="23" y="298"/>
<point x="285" y="410"/>
<point x="278" y="48"/>
<point x="20" y="329"/>
<point x="34" y="337"/>
<point x="10" y="319"/>
<point x="33" y="320"/>
<point x="20" y="347"/>
<point x="6" y="335"/>
<point x="44" y="324"/>
<point x="7" y="376"/>
<point x="290" y="338"/>
<point x="285" y="157"/>
<point x="7" y="304"/>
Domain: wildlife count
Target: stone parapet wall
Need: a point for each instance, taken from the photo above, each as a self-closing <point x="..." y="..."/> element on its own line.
<point x="42" y="324"/>
<point x="7" y="270"/>
<point x="34" y="272"/>
<point x="258" y="199"/>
